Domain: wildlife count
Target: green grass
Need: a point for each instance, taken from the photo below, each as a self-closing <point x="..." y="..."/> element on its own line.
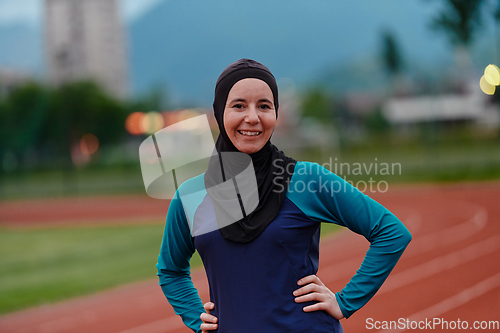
<point x="45" y="265"/>
<point x="39" y="266"/>
<point x="327" y="229"/>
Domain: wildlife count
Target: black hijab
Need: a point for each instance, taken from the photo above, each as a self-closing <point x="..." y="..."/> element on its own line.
<point x="273" y="169"/>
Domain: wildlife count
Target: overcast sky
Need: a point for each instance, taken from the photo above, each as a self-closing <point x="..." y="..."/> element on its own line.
<point x="30" y="11"/>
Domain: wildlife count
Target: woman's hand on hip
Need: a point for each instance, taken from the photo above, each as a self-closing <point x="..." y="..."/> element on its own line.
<point x="209" y="321"/>
<point x="314" y="290"/>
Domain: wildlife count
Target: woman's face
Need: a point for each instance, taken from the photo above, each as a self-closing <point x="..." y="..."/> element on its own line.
<point x="249" y="115"/>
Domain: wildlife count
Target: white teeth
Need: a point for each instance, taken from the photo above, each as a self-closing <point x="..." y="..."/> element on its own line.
<point x="249" y="133"/>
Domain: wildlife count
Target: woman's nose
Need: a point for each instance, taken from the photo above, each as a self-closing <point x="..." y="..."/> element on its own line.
<point x="252" y="117"/>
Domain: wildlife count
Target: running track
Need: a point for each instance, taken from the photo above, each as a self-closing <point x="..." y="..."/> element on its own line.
<point x="450" y="270"/>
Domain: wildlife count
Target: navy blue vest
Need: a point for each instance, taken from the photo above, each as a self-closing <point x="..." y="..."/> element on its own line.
<point x="251" y="284"/>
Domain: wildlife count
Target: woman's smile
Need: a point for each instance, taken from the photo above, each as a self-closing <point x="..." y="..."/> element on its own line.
<point x="249" y="134"/>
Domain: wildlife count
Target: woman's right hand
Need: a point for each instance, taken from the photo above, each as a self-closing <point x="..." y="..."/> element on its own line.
<point x="209" y="321"/>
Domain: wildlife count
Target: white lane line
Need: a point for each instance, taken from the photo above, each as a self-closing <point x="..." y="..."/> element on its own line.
<point x="160" y="326"/>
<point x="441" y="264"/>
<point x="419" y="245"/>
<point x="347" y="267"/>
<point x="67" y="323"/>
<point x="414" y="221"/>
<point x="453" y="302"/>
<point x="450" y="235"/>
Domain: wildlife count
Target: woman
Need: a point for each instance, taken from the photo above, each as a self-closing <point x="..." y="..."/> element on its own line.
<point x="262" y="269"/>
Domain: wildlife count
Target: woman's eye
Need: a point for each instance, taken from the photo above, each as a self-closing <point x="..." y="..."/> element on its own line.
<point x="265" y="106"/>
<point x="238" y="106"/>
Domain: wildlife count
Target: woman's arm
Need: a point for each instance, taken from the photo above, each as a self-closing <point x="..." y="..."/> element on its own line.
<point x="173" y="267"/>
<point x="332" y="199"/>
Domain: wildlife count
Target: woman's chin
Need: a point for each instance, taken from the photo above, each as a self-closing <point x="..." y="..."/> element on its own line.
<point x="249" y="149"/>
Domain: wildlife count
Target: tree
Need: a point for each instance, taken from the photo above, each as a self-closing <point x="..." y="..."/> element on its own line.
<point x="392" y="60"/>
<point x="496" y="16"/>
<point x="80" y="108"/>
<point x="22" y="115"/>
<point x="51" y="121"/>
<point x="391" y="54"/>
<point x="317" y="104"/>
<point x="376" y="122"/>
<point x="460" y="20"/>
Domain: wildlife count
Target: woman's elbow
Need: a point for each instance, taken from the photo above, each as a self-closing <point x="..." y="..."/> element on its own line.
<point x="406" y="236"/>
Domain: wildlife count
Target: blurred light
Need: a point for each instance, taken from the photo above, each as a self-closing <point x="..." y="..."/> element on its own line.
<point x="192" y="125"/>
<point x="168" y="117"/>
<point x="151" y="122"/>
<point x="78" y="157"/>
<point x="172" y="117"/>
<point x="133" y="123"/>
<point x="89" y="144"/>
<point x="486" y="87"/>
<point x="492" y="75"/>
<point x="186" y="114"/>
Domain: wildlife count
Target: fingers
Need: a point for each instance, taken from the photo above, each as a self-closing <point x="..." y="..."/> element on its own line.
<point x="209" y="321"/>
<point x="310" y="279"/>
<point x="208" y="327"/>
<point x="315" y="307"/>
<point x="311" y="297"/>
<point x="208" y="306"/>
<point x="208" y="318"/>
<point x="311" y="287"/>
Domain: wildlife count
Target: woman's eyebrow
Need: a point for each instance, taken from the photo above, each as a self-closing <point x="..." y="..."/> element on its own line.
<point x="262" y="100"/>
<point x="237" y="100"/>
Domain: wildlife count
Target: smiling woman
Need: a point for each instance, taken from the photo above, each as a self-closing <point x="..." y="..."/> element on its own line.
<point x="262" y="268"/>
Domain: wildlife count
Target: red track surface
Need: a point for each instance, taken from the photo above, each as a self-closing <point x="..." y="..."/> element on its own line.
<point x="81" y="211"/>
<point x="450" y="270"/>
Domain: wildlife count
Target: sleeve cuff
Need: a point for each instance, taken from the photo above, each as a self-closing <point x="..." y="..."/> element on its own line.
<point x="346" y="313"/>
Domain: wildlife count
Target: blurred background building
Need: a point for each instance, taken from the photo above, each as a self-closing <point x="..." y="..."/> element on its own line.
<point x="85" y="40"/>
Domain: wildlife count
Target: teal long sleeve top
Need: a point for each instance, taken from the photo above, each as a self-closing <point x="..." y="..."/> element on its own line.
<point x="256" y="280"/>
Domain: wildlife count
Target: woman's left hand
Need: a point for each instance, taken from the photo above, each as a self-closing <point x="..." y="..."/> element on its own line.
<point x="314" y="290"/>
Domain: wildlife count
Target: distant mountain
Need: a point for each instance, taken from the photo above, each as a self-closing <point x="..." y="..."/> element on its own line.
<point x="183" y="45"/>
<point x="186" y="44"/>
